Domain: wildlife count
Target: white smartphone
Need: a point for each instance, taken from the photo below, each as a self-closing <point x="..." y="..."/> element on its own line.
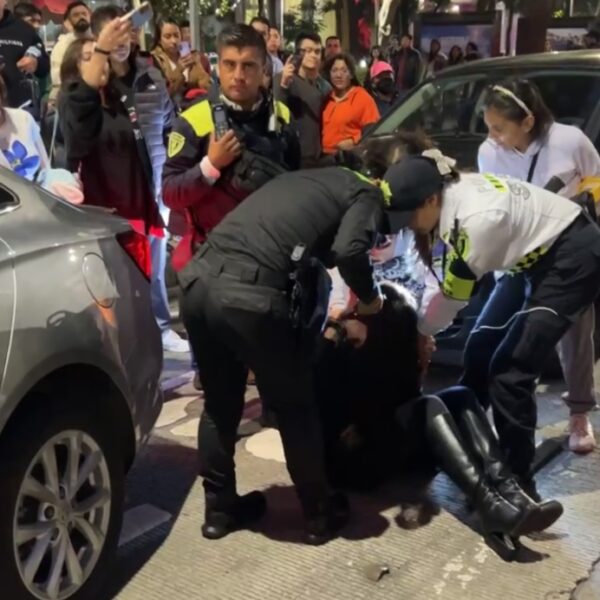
<point x="139" y="16"/>
<point x="184" y="49"/>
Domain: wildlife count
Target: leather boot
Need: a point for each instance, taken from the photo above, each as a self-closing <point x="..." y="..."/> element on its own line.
<point x="498" y="516"/>
<point x="222" y="518"/>
<point x="477" y="432"/>
<point x="325" y="519"/>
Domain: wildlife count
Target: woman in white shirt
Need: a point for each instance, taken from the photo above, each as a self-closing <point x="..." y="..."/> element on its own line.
<point x="21" y="147"/>
<point x="526" y="143"/>
<point x="491" y="223"/>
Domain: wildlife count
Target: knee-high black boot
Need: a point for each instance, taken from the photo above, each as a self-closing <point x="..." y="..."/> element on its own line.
<point x="498" y="516"/>
<point x="477" y="433"/>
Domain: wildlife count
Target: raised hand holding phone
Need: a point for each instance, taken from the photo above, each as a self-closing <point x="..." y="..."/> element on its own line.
<point x="139" y="16"/>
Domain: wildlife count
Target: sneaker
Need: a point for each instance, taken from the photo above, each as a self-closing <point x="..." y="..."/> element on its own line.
<point x="581" y="438"/>
<point x="172" y="342"/>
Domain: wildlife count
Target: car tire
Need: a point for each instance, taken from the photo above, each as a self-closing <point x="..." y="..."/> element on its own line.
<point x="56" y="427"/>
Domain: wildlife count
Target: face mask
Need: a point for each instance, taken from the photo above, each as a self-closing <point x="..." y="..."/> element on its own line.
<point x="385" y="86"/>
<point x="81" y="26"/>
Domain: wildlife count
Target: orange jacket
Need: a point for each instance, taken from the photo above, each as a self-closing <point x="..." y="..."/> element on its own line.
<point x="344" y="119"/>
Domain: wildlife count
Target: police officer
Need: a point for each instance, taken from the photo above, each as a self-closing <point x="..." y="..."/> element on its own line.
<point x="227" y="141"/>
<point x="241" y="308"/>
<point x="491" y="223"/>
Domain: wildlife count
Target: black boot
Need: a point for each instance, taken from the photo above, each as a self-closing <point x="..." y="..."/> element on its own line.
<point x="325" y="519"/>
<point x="498" y="516"/>
<point x="221" y="519"/>
<point x="478" y="433"/>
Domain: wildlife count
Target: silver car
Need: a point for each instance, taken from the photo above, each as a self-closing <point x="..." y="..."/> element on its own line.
<point x="80" y="362"/>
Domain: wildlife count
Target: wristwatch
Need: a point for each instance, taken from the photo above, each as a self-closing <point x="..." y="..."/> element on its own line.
<point x="101" y="51"/>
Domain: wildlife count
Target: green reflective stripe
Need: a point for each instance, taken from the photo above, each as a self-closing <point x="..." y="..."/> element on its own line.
<point x="283" y="112"/>
<point x="199" y="116"/>
<point x="456" y="288"/>
<point x="529" y="260"/>
<point x="499" y="185"/>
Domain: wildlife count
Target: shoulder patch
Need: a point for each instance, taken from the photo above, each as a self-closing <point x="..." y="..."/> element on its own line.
<point x="176" y="143"/>
<point x="199" y="116"/>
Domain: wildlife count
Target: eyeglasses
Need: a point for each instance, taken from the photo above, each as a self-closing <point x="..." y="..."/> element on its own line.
<point x="315" y="51"/>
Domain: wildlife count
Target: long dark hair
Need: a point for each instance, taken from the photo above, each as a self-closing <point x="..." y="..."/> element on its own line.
<point x="433" y="53"/>
<point x="69" y="68"/>
<point x="160" y="23"/>
<point x="348" y="60"/>
<point x="529" y="94"/>
<point x="459" y="58"/>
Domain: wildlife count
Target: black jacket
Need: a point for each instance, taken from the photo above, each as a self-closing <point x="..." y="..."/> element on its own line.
<point x="411" y="74"/>
<point x="334" y="212"/>
<point x="16" y="37"/>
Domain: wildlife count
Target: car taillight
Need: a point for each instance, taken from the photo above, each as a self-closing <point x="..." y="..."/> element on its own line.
<point x="138" y="248"/>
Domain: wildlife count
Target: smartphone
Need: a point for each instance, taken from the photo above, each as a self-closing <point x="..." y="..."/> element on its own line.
<point x="139" y="16"/>
<point x="297" y="60"/>
<point x="184" y="49"/>
<point x="220" y="120"/>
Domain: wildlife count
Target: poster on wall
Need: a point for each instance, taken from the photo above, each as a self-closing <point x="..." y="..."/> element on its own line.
<point x="565" y="38"/>
<point x="458" y="34"/>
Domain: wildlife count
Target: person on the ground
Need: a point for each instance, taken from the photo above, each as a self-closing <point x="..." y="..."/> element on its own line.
<point x="491" y="223"/>
<point x="78" y="15"/>
<point x="239" y="310"/>
<point x="436" y="59"/>
<point x="455" y="56"/>
<point x="333" y="47"/>
<point x="206" y="177"/>
<point x="378" y="424"/>
<point x="21" y="146"/>
<point x="121" y="158"/>
<point x="407" y="65"/>
<point x="23" y="57"/>
<point x="181" y="67"/>
<point x="472" y="52"/>
<point x="274" y="49"/>
<point x="383" y="87"/>
<point x="525" y="142"/>
<point x="349" y="108"/>
<point x="186" y="36"/>
<point x="305" y="92"/>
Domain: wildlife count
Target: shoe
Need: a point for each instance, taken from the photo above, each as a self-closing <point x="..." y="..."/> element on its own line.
<point x="327" y="519"/>
<point x="478" y="433"/>
<point x="245" y="511"/>
<point x="581" y="438"/>
<point x="197" y="383"/>
<point x="172" y="342"/>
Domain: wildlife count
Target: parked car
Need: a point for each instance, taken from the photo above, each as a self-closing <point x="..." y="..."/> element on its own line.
<point x="448" y="107"/>
<point x="80" y="362"/>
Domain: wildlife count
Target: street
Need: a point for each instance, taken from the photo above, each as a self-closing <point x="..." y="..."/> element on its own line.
<point x="162" y="554"/>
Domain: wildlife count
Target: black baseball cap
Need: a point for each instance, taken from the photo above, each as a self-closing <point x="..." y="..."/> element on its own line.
<point x="411" y="181"/>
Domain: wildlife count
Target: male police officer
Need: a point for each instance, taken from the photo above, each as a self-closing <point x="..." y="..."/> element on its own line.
<point x="240" y="307"/>
<point x="210" y="169"/>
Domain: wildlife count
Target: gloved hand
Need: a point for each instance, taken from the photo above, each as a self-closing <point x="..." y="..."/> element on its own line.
<point x="372" y="308"/>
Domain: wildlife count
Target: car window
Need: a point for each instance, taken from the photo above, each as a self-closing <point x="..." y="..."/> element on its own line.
<point x="8" y="200"/>
<point x="570" y="96"/>
<point x="444" y="106"/>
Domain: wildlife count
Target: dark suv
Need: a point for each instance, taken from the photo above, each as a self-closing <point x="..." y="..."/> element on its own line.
<point x="448" y="108"/>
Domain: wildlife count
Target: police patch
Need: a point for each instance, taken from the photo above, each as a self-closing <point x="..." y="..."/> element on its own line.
<point x="176" y="143"/>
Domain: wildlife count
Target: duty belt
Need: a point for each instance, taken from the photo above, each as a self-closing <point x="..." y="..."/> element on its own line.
<point x="249" y="273"/>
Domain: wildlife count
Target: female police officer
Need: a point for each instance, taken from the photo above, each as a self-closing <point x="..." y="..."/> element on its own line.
<point x="241" y="308"/>
<point x="490" y="223"/>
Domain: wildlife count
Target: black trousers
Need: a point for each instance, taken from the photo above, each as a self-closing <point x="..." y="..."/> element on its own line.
<point x="232" y="326"/>
<point x="561" y="286"/>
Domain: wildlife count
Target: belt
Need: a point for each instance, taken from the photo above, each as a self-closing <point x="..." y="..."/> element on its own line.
<point x="251" y="274"/>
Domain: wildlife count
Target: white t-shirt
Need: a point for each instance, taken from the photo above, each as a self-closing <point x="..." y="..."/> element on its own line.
<point x="566" y="152"/>
<point x="21" y="146"/>
<point x="501" y="221"/>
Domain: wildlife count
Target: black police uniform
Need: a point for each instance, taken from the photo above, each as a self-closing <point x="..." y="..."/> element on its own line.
<point x="236" y="309"/>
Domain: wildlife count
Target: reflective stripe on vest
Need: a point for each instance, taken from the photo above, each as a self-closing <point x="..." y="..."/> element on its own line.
<point x="199" y="116"/>
<point x="529" y="260"/>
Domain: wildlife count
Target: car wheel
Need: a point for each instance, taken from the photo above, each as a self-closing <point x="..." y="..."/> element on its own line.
<point x="62" y="482"/>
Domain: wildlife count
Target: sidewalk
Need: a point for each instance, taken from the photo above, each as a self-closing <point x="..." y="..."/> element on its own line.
<point x="443" y="559"/>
